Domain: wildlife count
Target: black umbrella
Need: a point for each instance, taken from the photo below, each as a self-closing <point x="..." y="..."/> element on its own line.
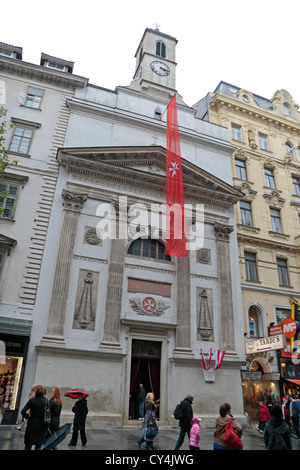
<point x="56" y="437"/>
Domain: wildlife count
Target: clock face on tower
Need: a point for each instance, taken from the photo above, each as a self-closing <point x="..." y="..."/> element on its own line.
<point x="160" y="68"/>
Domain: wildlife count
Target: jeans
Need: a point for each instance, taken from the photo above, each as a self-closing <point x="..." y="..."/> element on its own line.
<point x="181" y="438"/>
<point x="141" y="409"/>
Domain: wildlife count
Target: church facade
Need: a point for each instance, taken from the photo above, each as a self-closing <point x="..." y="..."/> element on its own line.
<point x="113" y="309"/>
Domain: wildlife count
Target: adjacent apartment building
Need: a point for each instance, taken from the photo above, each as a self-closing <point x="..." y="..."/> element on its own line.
<point x="35" y="99"/>
<point x="266" y="168"/>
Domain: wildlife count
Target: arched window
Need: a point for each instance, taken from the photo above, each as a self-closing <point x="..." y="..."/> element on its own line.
<point x="255" y="322"/>
<point x="148" y="248"/>
<point x="160" y="49"/>
<point x="290" y="150"/>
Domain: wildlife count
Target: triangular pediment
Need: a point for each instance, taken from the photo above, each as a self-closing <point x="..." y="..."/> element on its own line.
<point x="145" y="165"/>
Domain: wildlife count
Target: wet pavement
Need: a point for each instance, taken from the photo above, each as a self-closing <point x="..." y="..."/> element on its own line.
<point x="111" y="440"/>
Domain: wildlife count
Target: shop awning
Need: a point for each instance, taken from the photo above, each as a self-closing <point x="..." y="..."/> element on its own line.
<point x="295" y="381"/>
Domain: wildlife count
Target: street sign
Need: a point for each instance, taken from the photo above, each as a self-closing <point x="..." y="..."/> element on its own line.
<point x="289" y="327"/>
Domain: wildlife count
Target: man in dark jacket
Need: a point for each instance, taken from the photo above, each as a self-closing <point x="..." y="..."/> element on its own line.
<point x="185" y="421"/>
<point x="277" y="433"/>
<point x="81" y="410"/>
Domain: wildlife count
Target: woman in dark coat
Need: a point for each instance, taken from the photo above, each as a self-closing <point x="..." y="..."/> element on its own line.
<point x="36" y="430"/>
<point x="81" y="410"/>
<point x="55" y="405"/>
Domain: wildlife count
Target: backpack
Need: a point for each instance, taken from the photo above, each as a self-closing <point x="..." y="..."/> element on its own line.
<point x="178" y="413"/>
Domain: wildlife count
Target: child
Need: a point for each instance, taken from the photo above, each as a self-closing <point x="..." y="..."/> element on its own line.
<point x="264" y="416"/>
<point x="195" y="433"/>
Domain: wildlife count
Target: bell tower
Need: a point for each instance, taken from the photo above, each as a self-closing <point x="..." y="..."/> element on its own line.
<point x="155" y="64"/>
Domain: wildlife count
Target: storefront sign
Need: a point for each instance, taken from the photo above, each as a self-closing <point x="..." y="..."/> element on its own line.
<point x="288" y="328"/>
<point x="265" y="344"/>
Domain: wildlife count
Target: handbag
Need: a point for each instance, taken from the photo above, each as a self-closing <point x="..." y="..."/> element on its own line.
<point x="47" y="414"/>
<point x="232" y="438"/>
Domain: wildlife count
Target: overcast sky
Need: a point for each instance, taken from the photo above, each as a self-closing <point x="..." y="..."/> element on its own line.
<point x="253" y="45"/>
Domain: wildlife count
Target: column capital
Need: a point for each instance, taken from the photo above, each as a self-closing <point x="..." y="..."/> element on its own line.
<point x="223" y="231"/>
<point x="73" y="201"/>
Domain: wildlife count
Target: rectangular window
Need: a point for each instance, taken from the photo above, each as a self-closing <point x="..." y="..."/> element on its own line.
<point x="275" y="220"/>
<point x="21" y="140"/>
<point x="282" y="272"/>
<point x="246" y="216"/>
<point x="33" y="98"/>
<point x="236" y="132"/>
<point x="263" y="142"/>
<point x="250" y="264"/>
<point x="269" y="178"/>
<point x="240" y="169"/>
<point x="8" y="199"/>
<point x="296" y="185"/>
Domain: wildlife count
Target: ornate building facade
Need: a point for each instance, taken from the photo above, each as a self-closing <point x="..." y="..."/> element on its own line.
<point x="114" y="310"/>
<point x="266" y="168"/>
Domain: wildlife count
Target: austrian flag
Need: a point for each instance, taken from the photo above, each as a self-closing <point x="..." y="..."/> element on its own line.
<point x="175" y="219"/>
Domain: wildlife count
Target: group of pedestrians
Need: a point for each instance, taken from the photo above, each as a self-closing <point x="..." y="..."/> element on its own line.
<point x="277" y="429"/>
<point x="38" y="430"/>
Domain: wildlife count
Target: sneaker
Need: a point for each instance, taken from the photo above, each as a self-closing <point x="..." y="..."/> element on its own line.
<point x="84" y="446"/>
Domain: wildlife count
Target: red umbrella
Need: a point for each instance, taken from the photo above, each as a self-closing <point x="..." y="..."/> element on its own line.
<point x="76" y="393"/>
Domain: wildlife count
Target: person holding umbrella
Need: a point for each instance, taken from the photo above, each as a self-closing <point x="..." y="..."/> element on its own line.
<point x="80" y="409"/>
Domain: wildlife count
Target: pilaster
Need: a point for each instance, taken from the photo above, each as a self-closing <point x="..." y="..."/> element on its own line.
<point x="72" y="203"/>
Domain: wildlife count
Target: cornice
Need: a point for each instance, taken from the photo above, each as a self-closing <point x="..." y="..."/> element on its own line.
<point x="120" y="165"/>
<point x="255" y="112"/>
<point x="39" y="73"/>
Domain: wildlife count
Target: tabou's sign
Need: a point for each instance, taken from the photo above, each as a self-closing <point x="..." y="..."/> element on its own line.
<point x="265" y="344"/>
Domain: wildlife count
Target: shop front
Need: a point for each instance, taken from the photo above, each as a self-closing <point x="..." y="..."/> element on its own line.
<point x="12" y="363"/>
<point x="261" y="379"/>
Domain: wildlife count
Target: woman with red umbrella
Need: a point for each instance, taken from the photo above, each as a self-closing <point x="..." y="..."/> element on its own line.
<point x="80" y="409"/>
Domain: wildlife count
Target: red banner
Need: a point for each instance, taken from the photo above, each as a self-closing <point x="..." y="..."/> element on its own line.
<point x="175" y="219"/>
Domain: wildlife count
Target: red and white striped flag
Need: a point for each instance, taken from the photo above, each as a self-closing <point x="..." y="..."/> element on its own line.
<point x="206" y="363"/>
<point x="219" y="359"/>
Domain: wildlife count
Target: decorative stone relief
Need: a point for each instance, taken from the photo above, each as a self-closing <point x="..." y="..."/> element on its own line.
<point x="85" y="304"/>
<point x="205" y="330"/>
<point x="274" y="199"/>
<point x="149" y="306"/>
<point x="92" y="236"/>
<point x="203" y="256"/>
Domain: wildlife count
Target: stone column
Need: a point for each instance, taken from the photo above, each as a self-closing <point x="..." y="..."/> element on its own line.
<point x="225" y="285"/>
<point x="72" y="203"/>
<point x="183" y="302"/>
<point x="112" y="324"/>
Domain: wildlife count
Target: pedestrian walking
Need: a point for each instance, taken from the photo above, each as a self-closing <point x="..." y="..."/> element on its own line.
<point x="185" y="420"/>
<point x="277" y="432"/>
<point x="36" y="430"/>
<point x="264" y="416"/>
<point x="149" y="410"/>
<point x="80" y="409"/>
<point x="55" y="406"/>
<point x="294" y="414"/>
<point x="141" y="399"/>
<point x="224" y="418"/>
<point x="195" y="433"/>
